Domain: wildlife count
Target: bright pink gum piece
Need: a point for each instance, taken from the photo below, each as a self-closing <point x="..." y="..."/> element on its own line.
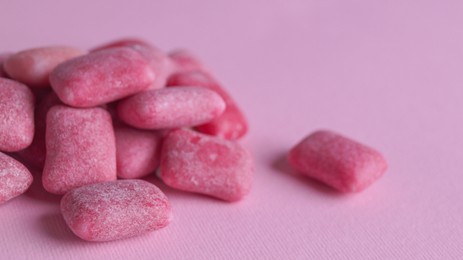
<point x="137" y="151"/>
<point x="231" y="124"/>
<point x="15" y="178"/>
<point x="185" y="61"/>
<point x="159" y="62"/>
<point x="34" y="154"/>
<point x="33" y="67"/>
<point x="3" y="57"/>
<point x="16" y="116"/>
<point x="101" y="77"/>
<point x="80" y="148"/>
<point x="171" y="108"/>
<point x="115" y="210"/>
<point x="337" y="161"/>
<point x="200" y="163"/>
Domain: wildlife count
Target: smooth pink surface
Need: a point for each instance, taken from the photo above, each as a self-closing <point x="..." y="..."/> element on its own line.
<point x="384" y="72"/>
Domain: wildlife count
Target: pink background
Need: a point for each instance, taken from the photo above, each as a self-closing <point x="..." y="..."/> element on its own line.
<point x="387" y="73"/>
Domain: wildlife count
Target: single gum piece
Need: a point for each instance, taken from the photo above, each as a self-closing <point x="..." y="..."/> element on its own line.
<point x="115" y="210"/>
<point x="100" y="77"/>
<point x="16" y="116"/>
<point x="337" y="161"/>
<point x="3" y="57"/>
<point x="32" y="67"/>
<point x="200" y="163"/>
<point x="185" y="61"/>
<point x="171" y="108"/>
<point x="80" y="148"/>
<point x="15" y="178"/>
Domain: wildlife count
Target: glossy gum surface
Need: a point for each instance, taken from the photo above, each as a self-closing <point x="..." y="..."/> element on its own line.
<point x="33" y="66"/>
<point x="16" y="116"/>
<point x="115" y="210"/>
<point x="80" y="147"/>
<point x="340" y="162"/>
<point x="101" y="77"/>
<point x="195" y="162"/>
<point x="171" y="108"/>
<point x="231" y="124"/>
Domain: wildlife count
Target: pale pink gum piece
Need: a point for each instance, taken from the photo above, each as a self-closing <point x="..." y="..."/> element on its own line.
<point x="3" y="57"/>
<point x="16" y="116"/>
<point x="185" y="61"/>
<point x="205" y="164"/>
<point x="161" y="65"/>
<point x="171" y="108"/>
<point x="137" y="151"/>
<point x="115" y="210"/>
<point x="337" y="161"/>
<point x="34" y="154"/>
<point x="231" y="124"/>
<point x="80" y="148"/>
<point x="15" y="178"/>
<point x="33" y="67"/>
<point x="100" y="77"/>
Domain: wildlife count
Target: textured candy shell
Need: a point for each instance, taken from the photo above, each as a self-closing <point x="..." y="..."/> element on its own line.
<point x="231" y="124"/>
<point x="171" y="108"/>
<point x="115" y="210"/>
<point x="80" y="147"/>
<point x="15" y="178"/>
<point x="138" y="151"/>
<point x="16" y="116"/>
<point x="100" y="77"/>
<point x="195" y="162"/>
<point x="337" y="161"/>
<point x="33" y="67"/>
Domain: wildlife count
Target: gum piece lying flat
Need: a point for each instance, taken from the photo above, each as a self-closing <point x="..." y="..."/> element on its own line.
<point x="231" y="124"/>
<point x="80" y="148"/>
<point x="16" y="116"/>
<point x="200" y="163"/>
<point x="337" y="161"/>
<point x="115" y="210"/>
<point x="15" y="178"/>
<point x="137" y="151"/>
<point x="32" y="67"/>
<point x="100" y="77"/>
<point x="171" y="108"/>
<point x="34" y="154"/>
<point x="3" y="57"/>
<point x="159" y="62"/>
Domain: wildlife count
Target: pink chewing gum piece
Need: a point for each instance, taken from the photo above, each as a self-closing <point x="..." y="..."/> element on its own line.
<point x="159" y="62"/>
<point x="80" y="148"/>
<point x="185" y="61"/>
<point x="33" y="67"/>
<point x="205" y="164"/>
<point x="16" y="116"/>
<point x="3" y="57"/>
<point x="34" y="154"/>
<point x="231" y="124"/>
<point x="100" y="77"/>
<point x="337" y="161"/>
<point x="115" y="210"/>
<point x="171" y="108"/>
<point x="137" y="151"/>
<point x="15" y="178"/>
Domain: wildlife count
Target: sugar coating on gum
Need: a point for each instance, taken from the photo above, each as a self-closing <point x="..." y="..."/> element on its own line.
<point x="115" y="210"/>
<point x="337" y="161"/>
<point x="15" y="178"/>
<point x="137" y="151"/>
<point x="80" y="148"/>
<point x="231" y="124"/>
<point x="195" y="162"/>
<point x="16" y="116"/>
<point x="33" y="66"/>
<point x="171" y="108"/>
<point x="100" y="77"/>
